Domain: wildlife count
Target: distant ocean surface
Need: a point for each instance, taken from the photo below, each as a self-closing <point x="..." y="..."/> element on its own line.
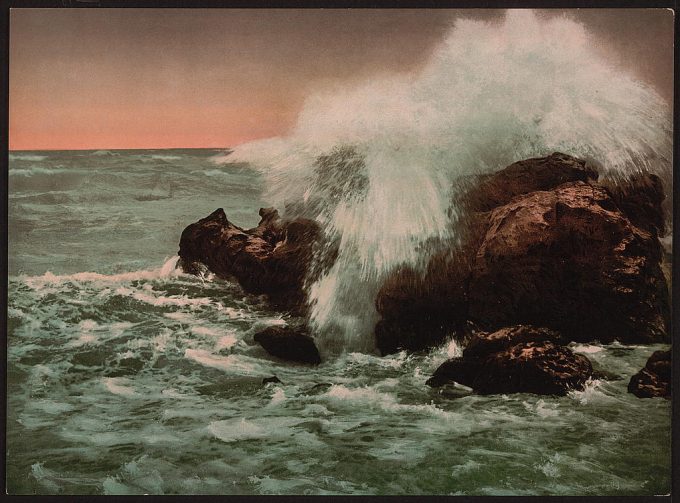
<point x="128" y="377"/>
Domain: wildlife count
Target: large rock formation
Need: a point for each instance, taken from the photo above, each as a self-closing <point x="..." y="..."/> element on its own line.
<point x="654" y="380"/>
<point x="520" y="359"/>
<point x="543" y="244"/>
<point x="271" y="259"/>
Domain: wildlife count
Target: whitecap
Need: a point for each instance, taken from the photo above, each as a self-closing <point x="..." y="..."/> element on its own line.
<point x="120" y="386"/>
<point x="225" y="342"/>
<point x="586" y="348"/>
<point x="232" y="430"/>
<point x="27" y="157"/>
<point x="237" y="364"/>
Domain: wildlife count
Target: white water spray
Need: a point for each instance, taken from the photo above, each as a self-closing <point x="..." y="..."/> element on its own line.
<point x="491" y="94"/>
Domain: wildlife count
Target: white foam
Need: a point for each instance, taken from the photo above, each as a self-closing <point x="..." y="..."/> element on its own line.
<point x="226" y="342"/>
<point x="39" y="282"/>
<point x="591" y="393"/>
<point x="476" y="106"/>
<point x="233" y="430"/>
<point x="160" y="300"/>
<point x="205" y="331"/>
<point x="232" y="363"/>
<point x="27" y="157"/>
<point x="120" y="386"/>
<point x="278" y="397"/>
<point x="586" y="348"/>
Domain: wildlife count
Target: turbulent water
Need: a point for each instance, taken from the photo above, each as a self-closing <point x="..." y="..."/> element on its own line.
<point x="127" y="377"/>
<point x="489" y="95"/>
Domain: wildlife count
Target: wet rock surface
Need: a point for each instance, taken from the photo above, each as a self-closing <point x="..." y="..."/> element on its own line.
<point x="289" y="343"/>
<point x="271" y="259"/>
<point x="545" y="244"/>
<point x="542" y="243"/>
<point x="520" y="359"/>
<point x="654" y="380"/>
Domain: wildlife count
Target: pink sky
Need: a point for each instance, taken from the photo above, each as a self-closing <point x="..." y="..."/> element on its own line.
<point x="149" y="78"/>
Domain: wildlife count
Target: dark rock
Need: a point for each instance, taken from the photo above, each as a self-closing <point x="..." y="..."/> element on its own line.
<point x="533" y="367"/>
<point x="460" y="370"/>
<point x="654" y="380"/>
<point x="568" y="259"/>
<point x="541" y="243"/>
<point x="524" y="177"/>
<point x="271" y="259"/>
<point x="419" y="310"/>
<point x="289" y="343"/>
<point x="273" y="379"/>
<point x="483" y="344"/>
<point x="270" y="227"/>
<point x="520" y="359"/>
<point x="641" y="200"/>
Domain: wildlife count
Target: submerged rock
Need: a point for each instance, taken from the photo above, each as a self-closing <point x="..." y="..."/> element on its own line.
<point x="289" y="343"/>
<point x="520" y="359"/>
<point x="271" y="259"/>
<point x="654" y="380"/>
<point x="543" y="244"/>
<point x="272" y="379"/>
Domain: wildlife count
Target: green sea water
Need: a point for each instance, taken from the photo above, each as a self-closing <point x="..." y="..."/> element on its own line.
<point x="127" y="377"/>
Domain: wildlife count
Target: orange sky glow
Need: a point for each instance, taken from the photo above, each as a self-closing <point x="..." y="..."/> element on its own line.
<point x="164" y="78"/>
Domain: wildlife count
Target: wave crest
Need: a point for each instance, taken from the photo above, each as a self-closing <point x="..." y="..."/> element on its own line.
<point x="490" y="94"/>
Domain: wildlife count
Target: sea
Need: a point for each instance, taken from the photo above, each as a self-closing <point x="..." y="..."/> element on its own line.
<point x="126" y="376"/>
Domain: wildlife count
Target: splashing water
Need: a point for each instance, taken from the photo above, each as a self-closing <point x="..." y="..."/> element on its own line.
<point x="490" y="94"/>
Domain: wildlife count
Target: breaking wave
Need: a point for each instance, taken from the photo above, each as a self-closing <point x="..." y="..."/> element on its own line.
<point x="379" y="164"/>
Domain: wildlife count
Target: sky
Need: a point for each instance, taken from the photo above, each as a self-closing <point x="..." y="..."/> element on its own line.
<point x="181" y="78"/>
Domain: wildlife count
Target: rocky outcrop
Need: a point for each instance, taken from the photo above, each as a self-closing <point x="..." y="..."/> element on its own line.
<point x="570" y="260"/>
<point x="526" y="176"/>
<point x="654" y="380"/>
<point x="543" y="244"/>
<point x="271" y="259"/>
<point x="519" y="359"/>
<point x="289" y="343"/>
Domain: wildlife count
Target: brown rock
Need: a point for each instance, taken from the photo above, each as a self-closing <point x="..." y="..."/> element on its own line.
<point x="654" y="380"/>
<point x="570" y="260"/>
<point x="542" y="243"/>
<point x="521" y="359"/>
<point x="420" y="310"/>
<point x="271" y="259"/>
<point x="641" y="200"/>
<point x="482" y="344"/>
<point x="289" y="343"/>
<point x="530" y="175"/>
<point x="533" y="367"/>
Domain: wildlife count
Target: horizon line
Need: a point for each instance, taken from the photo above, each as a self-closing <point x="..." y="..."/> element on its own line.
<point x="113" y="148"/>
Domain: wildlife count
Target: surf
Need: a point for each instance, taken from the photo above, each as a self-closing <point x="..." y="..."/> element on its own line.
<point x="402" y="147"/>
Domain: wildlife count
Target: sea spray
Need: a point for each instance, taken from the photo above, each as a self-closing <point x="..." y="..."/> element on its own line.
<point x="490" y="94"/>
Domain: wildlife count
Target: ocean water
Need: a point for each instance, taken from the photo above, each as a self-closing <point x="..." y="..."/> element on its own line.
<point x="126" y="376"/>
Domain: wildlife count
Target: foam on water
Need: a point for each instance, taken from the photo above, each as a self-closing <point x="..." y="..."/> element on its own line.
<point x="39" y="282"/>
<point x="490" y="94"/>
<point x="27" y="157"/>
